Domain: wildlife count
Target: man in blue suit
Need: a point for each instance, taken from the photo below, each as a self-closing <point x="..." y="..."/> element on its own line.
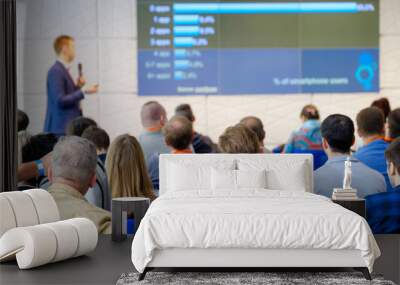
<point x="63" y="94"/>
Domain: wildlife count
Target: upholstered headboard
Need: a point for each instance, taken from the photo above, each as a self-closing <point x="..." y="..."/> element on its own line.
<point x="285" y="171"/>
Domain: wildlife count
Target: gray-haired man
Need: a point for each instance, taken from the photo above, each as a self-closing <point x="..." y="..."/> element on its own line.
<point x="72" y="172"/>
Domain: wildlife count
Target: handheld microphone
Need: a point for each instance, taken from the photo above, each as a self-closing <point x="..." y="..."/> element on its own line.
<point x="80" y="68"/>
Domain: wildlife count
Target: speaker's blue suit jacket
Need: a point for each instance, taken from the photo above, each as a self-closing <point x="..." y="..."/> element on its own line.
<point x="63" y="98"/>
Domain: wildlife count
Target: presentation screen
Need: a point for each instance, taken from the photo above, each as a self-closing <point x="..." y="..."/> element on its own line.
<point x="257" y="47"/>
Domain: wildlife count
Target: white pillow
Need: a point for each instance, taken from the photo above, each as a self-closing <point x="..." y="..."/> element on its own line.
<point x="225" y="179"/>
<point x="288" y="174"/>
<point x="251" y="178"/>
<point x="185" y="175"/>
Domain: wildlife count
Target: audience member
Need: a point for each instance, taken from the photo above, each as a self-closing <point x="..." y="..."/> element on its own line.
<point x="38" y="146"/>
<point x="35" y="148"/>
<point x="394" y="124"/>
<point x="99" y="195"/>
<point x="22" y="121"/>
<point x="371" y="129"/>
<point x="239" y="139"/>
<point x="77" y="126"/>
<point x="308" y="136"/>
<point x="383" y="209"/>
<point x="72" y="172"/>
<point x="256" y="125"/>
<point x="153" y="117"/>
<point x="126" y="169"/>
<point x="101" y="140"/>
<point x="384" y="105"/>
<point x="200" y="143"/>
<point x="23" y="135"/>
<point x="178" y="133"/>
<point x="337" y="139"/>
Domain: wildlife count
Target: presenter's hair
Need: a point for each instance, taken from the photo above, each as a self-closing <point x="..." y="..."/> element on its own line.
<point x="392" y="153"/>
<point x="310" y="112"/>
<point x="394" y="123"/>
<point x="256" y="125"/>
<point x="61" y="41"/>
<point x="126" y="169"/>
<point x="338" y="131"/>
<point x="371" y="121"/>
<point x="74" y="159"/>
<point x="239" y="139"/>
<point x="186" y="111"/>
<point x="178" y="132"/>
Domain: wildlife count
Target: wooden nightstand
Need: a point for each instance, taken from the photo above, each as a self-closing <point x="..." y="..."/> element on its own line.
<point x="357" y="206"/>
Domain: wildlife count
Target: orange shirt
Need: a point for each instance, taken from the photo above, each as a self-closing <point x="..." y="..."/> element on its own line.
<point x="182" y="151"/>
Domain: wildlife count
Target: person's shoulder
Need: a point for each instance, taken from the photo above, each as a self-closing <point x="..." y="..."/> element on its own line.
<point x="365" y="168"/>
<point x="56" y="67"/>
<point x="370" y="174"/>
<point x="325" y="169"/>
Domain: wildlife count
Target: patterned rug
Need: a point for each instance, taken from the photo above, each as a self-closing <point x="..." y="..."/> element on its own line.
<point x="269" y="278"/>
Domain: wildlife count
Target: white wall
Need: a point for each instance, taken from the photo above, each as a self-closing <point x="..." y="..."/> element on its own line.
<point x="106" y="39"/>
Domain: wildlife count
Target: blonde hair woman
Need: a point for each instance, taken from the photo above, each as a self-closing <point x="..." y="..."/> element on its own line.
<point x="126" y="169"/>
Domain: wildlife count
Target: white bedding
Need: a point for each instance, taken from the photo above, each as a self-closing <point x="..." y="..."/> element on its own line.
<point x="253" y="218"/>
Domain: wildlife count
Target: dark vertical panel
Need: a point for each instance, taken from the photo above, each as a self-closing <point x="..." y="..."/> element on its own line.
<point x="8" y="96"/>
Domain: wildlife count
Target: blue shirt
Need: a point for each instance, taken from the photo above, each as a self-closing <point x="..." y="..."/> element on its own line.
<point x="153" y="170"/>
<point x="373" y="155"/>
<point x="383" y="212"/>
<point x="366" y="180"/>
<point x="308" y="136"/>
<point x="152" y="142"/>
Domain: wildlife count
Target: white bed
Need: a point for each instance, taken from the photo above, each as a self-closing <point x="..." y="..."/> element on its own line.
<point x="242" y="210"/>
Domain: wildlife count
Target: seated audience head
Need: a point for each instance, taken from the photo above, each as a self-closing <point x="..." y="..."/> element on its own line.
<point x="153" y="115"/>
<point x="64" y="48"/>
<point x="337" y="134"/>
<point x="73" y="162"/>
<point x="38" y="146"/>
<point x="370" y="123"/>
<point x="77" y="126"/>
<point x="392" y="155"/>
<point x="186" y="111"/>
<point x="394" y="123"/>
<point x="178" y="133"/>
<point x="384" y="105"/>
<point x="239" y="139"/>
<point x="22" y="120"/>
<point x="126" y="169"/>
<point x="256" y="125"/>
<point x="99" y="137"/>
<point x="309" y="112"/>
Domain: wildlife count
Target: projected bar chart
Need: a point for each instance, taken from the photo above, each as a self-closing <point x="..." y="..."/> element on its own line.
<point x="191" y="48"/>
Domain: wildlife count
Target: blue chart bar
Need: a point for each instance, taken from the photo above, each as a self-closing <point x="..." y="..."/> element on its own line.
<point x="186" y="19"/>
<point x="184" y="42"/>
<point x="179" y="75"/>
<point x="182" y="64"/>
<point x="186" y="30"/>
<point x="180" y="53"/>
<point x="265" y="8"/>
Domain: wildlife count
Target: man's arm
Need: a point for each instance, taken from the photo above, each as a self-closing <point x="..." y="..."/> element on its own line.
<point x="30" y="170"/>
